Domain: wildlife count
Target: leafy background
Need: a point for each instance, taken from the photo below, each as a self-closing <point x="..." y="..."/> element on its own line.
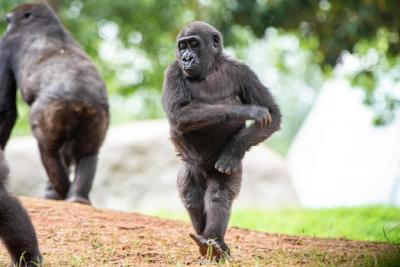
<point x="293" y="45"/>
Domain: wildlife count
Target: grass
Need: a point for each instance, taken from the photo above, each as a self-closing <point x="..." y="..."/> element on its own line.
<point x="79" y="235"/>
<point x="371" y="223"/>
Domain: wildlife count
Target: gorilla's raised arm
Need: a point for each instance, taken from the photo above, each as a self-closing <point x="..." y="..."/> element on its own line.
<point x="252" y="92"/>
<point x="186" y="115"/>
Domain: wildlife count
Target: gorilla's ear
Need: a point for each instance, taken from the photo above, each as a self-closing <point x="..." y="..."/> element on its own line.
<point x="216" y="39"/>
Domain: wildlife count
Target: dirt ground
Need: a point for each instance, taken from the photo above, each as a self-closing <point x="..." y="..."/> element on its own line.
<point x="78" y="235"/>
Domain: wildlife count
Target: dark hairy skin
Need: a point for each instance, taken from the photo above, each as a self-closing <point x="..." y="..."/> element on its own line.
<point x="208" y="97"/>
<point x="16" y="229"/>
<point x="67" y="98"/>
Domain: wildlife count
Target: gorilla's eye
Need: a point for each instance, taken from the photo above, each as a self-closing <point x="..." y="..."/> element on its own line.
<point x="194" y="43"/>
<point x="27" y="15"/>
<point x="182" y="45"/>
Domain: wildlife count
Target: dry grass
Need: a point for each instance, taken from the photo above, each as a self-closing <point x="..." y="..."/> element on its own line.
<point x="77" y="235"/>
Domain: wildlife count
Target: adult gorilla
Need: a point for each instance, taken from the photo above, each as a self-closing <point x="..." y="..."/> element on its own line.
<point x="67" y="98"/>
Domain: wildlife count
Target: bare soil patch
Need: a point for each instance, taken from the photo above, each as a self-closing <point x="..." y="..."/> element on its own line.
<point x="78" y="235"/>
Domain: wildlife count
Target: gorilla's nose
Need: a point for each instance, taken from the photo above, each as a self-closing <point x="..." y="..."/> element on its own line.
<point x="188" y="57"/>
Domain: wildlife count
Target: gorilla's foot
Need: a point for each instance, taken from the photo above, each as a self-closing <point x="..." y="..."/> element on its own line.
<point x="211" y="248"/>
<point x="79" y="199"/>
<point x="52" y="194"/>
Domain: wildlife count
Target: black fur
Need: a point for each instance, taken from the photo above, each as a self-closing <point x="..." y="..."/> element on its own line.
<point x="67" y="98"/>
<point x="207" y="98"/>
<point x="16" y="229"/>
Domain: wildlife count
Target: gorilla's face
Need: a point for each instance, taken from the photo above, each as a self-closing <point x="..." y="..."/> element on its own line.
<point x="198" y="46"/>
<point x="189" y="48"/>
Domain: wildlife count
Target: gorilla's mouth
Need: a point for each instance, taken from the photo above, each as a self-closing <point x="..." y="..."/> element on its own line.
<point x="190" y="67"/>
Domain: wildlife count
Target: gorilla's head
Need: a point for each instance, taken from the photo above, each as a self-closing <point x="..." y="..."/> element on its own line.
<point x="198" y="46"/>
<point x="30" y="16"/>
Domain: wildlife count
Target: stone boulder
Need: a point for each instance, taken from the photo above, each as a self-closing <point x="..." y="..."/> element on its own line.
<point x="137" y="171"/>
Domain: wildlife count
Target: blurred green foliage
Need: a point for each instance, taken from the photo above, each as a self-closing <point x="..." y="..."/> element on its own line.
<point x="361" y="27"/>
<point x="132" y="42"/>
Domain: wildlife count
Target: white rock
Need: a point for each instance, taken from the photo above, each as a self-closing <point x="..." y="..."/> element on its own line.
<point x="137" y="171"/>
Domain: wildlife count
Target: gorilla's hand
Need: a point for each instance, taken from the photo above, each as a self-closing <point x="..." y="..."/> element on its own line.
<point x="261" y="116"/>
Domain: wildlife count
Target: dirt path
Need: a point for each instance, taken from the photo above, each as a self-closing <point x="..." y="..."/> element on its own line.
<point x="77" y="235"/>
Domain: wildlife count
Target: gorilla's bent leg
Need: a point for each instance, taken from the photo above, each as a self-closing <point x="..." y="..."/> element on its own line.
<point x="191" y="191"/>
<point x="57" y="172"/>
<point x="17" y="231"/>
<point x="84" y="176"/>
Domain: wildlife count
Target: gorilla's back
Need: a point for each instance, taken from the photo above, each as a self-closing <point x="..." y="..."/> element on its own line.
<point x="59" y="69"/>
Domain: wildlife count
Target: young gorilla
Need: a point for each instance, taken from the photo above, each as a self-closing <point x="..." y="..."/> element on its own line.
<point x="16" y="229"/>
<point x="67" y="98"/>
<point x="208" y="98"/>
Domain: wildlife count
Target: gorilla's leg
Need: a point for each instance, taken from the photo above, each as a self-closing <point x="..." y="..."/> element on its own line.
<point x="51" y="129"/>
<point x="84" y="176"/>
<point x="59" y="183"/>
<point x="220" y="192"/>
<point x="17" y="232"/>
<point x="85" y="149"/>
<point x="66" y="158"/>
<point x="191" y="187"/>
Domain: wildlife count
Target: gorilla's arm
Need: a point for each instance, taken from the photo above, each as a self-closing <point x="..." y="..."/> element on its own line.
<point x="197" y="115"/>
<point x="189" y="115"/>
<point x="16" y="229"/>
<point x="8" y="109"/>
<point x="252" y="92"/>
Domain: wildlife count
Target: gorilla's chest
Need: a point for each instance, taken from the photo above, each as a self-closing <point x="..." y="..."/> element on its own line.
<point x="213" y="91"/>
